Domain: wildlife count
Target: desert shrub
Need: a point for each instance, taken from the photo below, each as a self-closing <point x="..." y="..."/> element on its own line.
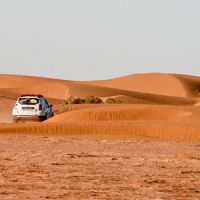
<point x="93" y="100"/>
<point x="80" y="100"/>
<point x="110" y="101"/>
<point x="98" y="101"/>
<point x="75" y="100"/>
<point x="113" y="101"/>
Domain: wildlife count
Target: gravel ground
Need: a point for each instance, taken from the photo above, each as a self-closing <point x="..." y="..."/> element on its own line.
<point x="36" y="167"/>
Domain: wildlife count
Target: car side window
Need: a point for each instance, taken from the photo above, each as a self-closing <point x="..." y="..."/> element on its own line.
<point x="46" y="103"/>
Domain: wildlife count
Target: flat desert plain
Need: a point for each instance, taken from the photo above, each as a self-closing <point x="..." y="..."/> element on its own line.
<point x="146" y="147"/>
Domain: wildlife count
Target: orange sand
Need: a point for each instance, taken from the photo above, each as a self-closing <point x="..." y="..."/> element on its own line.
<point x="159" y="106"/>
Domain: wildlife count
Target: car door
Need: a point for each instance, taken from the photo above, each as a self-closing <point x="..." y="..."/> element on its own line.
<point x="48" y="108"/>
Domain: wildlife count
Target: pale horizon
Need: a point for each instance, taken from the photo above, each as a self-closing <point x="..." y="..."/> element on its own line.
<point x="95" y="40"/>
<point x="108" y="78"/>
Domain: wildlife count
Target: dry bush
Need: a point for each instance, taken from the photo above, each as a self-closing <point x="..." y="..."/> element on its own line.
<point x="113" y="101"/>
<point x="93" y="100"/>
<point x="75" y="100"/>
<point x="85" y="100"/>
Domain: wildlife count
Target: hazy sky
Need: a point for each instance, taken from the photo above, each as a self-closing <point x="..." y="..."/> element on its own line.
<point x="99" y="39"/>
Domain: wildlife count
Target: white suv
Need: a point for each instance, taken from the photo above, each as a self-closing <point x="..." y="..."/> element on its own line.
<point x="32" y="107"/>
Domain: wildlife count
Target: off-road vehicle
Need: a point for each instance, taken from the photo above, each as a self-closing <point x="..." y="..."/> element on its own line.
<point x="30" y="106"/>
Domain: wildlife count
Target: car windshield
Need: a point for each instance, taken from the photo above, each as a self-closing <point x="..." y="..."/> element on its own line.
<point x="28" y="101"/>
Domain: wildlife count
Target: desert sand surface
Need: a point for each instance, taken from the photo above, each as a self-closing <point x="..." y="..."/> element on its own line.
<point x="71" y="168"/>
<point x="146" y="147"/>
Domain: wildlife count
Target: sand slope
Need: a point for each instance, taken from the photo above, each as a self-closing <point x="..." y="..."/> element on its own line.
<point x="191" y="84"/>
<point x="163" y="84"/>
<point x="19" y="81"/>
<point x="121" y="113"/>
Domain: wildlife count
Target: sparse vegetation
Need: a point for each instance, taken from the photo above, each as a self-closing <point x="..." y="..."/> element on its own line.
<point x="113" y="101"/>
<point x="85" y="100"/>
<point x="75" y="100"/>
<point x="93" y="100"/>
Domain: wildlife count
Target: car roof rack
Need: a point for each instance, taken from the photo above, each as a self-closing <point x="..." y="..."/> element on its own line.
<point x="35" y="95"/>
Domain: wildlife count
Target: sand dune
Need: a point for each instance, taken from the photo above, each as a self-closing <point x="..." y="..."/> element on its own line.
<point x="134" y="86"/>
<point x="121" y="113"/>
<point x="158" y="130"/>
<point x="163" y="84"/>
<point x="61" y="89"/>
<point x="171" y="123"/>
<point x="51" y="90"/>
<point x="84" y="90"/>
<point x="159" y="106"/>
<point x="19" y="81"/>
<point x="191" y="85"/>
